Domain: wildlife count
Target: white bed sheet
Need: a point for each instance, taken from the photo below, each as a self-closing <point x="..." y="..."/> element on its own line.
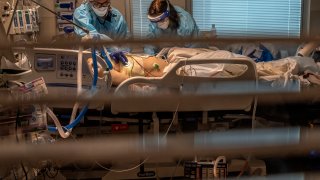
<point x="277" y="73"/>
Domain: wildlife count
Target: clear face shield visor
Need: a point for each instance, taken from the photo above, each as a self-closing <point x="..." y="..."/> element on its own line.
<point x="98" y="5"/>
<point x="161" y="17"/>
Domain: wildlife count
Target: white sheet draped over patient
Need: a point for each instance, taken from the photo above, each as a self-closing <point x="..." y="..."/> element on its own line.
<point x="277" y="73"/>
<point x="205" y="70"/>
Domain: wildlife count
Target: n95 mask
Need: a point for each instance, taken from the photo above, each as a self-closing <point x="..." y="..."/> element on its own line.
<point x="101" y="12"/>
<point x="163" y="24"/>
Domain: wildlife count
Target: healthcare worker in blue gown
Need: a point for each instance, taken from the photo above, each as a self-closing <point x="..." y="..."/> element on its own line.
<point x="168" y="21"/>
<point x="103" y="22"/>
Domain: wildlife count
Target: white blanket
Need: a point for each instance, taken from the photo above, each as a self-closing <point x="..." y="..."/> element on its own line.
<point x="277" y="73"/>
<point x="205" y="70"/>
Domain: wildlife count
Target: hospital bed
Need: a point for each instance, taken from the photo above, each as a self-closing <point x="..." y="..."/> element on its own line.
<point x="204" y="92"/>
<point x="58" y="67"/>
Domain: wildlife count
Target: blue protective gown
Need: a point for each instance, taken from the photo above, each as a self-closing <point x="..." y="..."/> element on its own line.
<point x="187" y="28"/>
<point x="99" y="28"/>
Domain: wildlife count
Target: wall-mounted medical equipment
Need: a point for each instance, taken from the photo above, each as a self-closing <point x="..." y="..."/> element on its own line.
<point x="25" y="21"/>
<point x="65" y="9"/>
<point x="64" y="16"/>
<point x="65" y="28"/>
<point x="65" y="5"/>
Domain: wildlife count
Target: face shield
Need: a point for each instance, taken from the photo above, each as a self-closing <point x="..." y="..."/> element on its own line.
<point x="162" y="20"/>
<point x="100" y="9"/>
<point x="159" y="18"/>
<point x="98" y="5"/>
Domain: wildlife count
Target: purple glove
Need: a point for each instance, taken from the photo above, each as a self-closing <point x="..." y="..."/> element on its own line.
<point x="118" y="56"/>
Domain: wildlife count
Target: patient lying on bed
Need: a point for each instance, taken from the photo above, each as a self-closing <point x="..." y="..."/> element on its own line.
<point x="274" y="71"/>
<point x="150" y="66"/>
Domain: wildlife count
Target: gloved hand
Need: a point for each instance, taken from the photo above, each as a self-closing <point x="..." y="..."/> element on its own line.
<point x="68" y="29"/>
<point x="118" y="56"/>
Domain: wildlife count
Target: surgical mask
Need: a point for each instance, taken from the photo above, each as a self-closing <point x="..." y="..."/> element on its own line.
<point x="163" y="24"/>
<point x="100" y="11"/>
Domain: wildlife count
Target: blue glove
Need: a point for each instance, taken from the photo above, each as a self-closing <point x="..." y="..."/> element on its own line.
<point x="68" y="29"/>
<point x="118" y="56"/>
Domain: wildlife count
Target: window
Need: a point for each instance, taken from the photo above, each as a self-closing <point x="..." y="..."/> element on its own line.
<point x="249" y="18"/>
<point x="140" y="22"/>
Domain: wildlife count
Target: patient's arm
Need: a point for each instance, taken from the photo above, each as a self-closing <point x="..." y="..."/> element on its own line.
<point x="118" y="77"/>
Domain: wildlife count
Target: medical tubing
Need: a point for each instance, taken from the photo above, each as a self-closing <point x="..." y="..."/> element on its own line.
<point x="215" y="165"/>
<point x="93" y="87"/>
<point x="72" y="124"/>
<point x="95" y="70"/>
<point x="58" y="125"/>
<point x="84" y="109"/>
<point x="78" y="119"/>
<point x="79" y="83"/>
<point x="106" y="58"/>
<point x="74" y="111"/>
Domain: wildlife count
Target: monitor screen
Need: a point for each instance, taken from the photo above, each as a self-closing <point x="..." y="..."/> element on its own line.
<point x="45" y="62"/>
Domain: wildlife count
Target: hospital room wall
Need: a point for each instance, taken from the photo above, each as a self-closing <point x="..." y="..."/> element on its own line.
<point x="315" y="18"/>
<point x="48" y="26"/>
